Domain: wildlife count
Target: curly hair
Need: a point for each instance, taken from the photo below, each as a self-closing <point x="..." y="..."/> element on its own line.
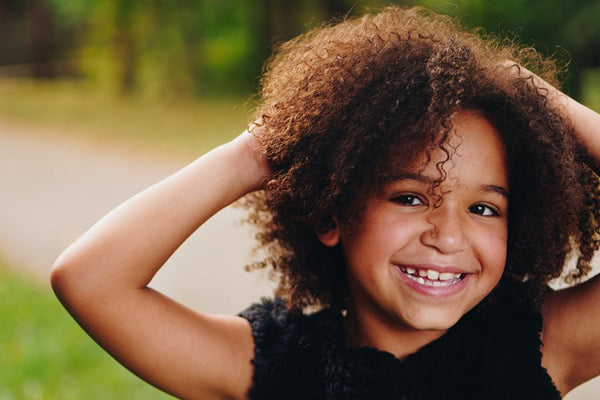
<point x="334" y="103"/>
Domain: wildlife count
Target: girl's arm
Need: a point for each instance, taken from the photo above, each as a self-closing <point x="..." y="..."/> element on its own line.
<point x="571" y="330"/>
<point x="585" y="121"/>
<point x="102" y="280"/>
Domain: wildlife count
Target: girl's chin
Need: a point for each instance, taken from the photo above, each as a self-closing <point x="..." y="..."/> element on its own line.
<point x="434" y="320"/>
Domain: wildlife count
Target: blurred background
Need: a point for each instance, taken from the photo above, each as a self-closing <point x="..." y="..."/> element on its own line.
<point x="100" y="98"/>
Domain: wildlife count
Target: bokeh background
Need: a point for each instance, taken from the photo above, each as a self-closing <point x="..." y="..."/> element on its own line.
<point x="100" y="98"/>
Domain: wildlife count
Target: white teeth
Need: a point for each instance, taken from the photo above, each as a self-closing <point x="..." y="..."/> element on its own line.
<point x="433" y="275"/>
<point x="446" y="276"/>
<point x="430" y="277"/>
<point x="426" y="282"/>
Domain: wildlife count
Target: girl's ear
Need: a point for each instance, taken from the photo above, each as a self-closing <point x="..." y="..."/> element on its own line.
<point x="331" y="236"/>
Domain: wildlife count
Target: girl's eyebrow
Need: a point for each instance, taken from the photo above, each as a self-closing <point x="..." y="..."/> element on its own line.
<point x="412" y="176"/>
<point x="495" y="189"/>
<point x="429" y="180"/>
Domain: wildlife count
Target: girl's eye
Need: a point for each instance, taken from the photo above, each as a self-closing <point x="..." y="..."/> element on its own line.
<point x="408" y="200"/>
<point x="483" y="210"/>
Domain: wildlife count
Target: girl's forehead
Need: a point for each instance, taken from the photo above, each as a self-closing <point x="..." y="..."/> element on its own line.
<point x="473" y="145"/>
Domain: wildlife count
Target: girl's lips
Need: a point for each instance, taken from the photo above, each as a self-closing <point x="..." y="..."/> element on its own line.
<point x="433" y="280"/>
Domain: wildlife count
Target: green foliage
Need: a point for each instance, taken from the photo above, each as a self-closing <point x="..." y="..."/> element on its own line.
<point x="590" y="89"/>
<point x="71" y="11"/>
<point x="135" y="46"/>
<point x="173" y="48"/>
<point x="228" y="44"/>
<point x="566" y="30"/>
<point x="163" y="48"/>
<point x="46" y="356"/>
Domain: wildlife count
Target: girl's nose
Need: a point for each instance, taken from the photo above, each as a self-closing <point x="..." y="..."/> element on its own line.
<point x="445" y="231"/>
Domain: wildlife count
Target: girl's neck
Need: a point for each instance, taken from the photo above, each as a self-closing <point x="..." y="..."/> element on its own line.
<point x="394" y="338"/>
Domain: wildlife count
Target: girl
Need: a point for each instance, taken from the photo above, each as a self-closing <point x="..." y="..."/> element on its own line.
<point x="414" y="191"/>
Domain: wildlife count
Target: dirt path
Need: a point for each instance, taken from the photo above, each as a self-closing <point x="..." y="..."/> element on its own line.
<point x="53" y="190"/>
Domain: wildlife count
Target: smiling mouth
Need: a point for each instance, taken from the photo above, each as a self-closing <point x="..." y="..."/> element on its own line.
<point x="430" y="277"/>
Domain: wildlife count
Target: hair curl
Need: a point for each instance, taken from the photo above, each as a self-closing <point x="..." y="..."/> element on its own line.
<point x="335" y="100"/>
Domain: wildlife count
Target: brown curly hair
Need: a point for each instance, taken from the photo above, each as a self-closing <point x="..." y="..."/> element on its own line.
<point x="336" y="100"/>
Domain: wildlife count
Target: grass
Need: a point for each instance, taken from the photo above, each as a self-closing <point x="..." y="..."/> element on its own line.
<point x="72" y="108"/>
<point x="45" y="355"/>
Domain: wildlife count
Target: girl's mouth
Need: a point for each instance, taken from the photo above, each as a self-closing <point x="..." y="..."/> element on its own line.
<point x="431" y="277"/>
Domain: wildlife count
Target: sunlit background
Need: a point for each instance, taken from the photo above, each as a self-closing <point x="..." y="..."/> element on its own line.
<point x="100" y="98"/>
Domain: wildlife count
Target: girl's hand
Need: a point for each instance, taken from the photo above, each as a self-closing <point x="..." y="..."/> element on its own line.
<point x="259" y="169"/>
<point x="585" y="121"/>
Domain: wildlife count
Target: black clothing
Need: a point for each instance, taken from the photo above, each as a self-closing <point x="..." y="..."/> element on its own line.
<point x="493" y="352"/>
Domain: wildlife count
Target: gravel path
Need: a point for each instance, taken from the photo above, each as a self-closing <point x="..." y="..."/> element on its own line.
<point x="53" y="190"/>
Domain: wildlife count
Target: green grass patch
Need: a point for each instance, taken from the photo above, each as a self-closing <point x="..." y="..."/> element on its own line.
<point x="45" y="355"/>
<point x="73" y="108"/>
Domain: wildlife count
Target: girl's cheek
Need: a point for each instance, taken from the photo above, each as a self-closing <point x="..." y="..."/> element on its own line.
<point x="498" y="250"/>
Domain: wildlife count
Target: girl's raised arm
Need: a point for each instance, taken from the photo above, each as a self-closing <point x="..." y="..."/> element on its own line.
<point x="102" y="280"/>
<point x="571" y="330"/>
<point x="585" y="121"/>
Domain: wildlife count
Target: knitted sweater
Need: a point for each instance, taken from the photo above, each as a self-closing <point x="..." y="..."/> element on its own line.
<point x="493" y="352"/>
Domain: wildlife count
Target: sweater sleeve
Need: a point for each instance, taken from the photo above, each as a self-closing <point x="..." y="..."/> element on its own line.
<point x="278" y="356"/>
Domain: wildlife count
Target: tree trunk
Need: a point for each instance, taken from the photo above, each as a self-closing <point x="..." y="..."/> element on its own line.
<point x="42" y="49"/>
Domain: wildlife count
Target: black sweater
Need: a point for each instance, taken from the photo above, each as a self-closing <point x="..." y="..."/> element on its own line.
<point x="493" y="352"/>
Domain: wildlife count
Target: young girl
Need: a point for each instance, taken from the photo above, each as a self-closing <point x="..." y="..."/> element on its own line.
<point x="415" y="192"/>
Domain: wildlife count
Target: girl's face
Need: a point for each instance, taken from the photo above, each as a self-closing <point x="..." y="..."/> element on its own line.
<point x="414" y="266"/>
